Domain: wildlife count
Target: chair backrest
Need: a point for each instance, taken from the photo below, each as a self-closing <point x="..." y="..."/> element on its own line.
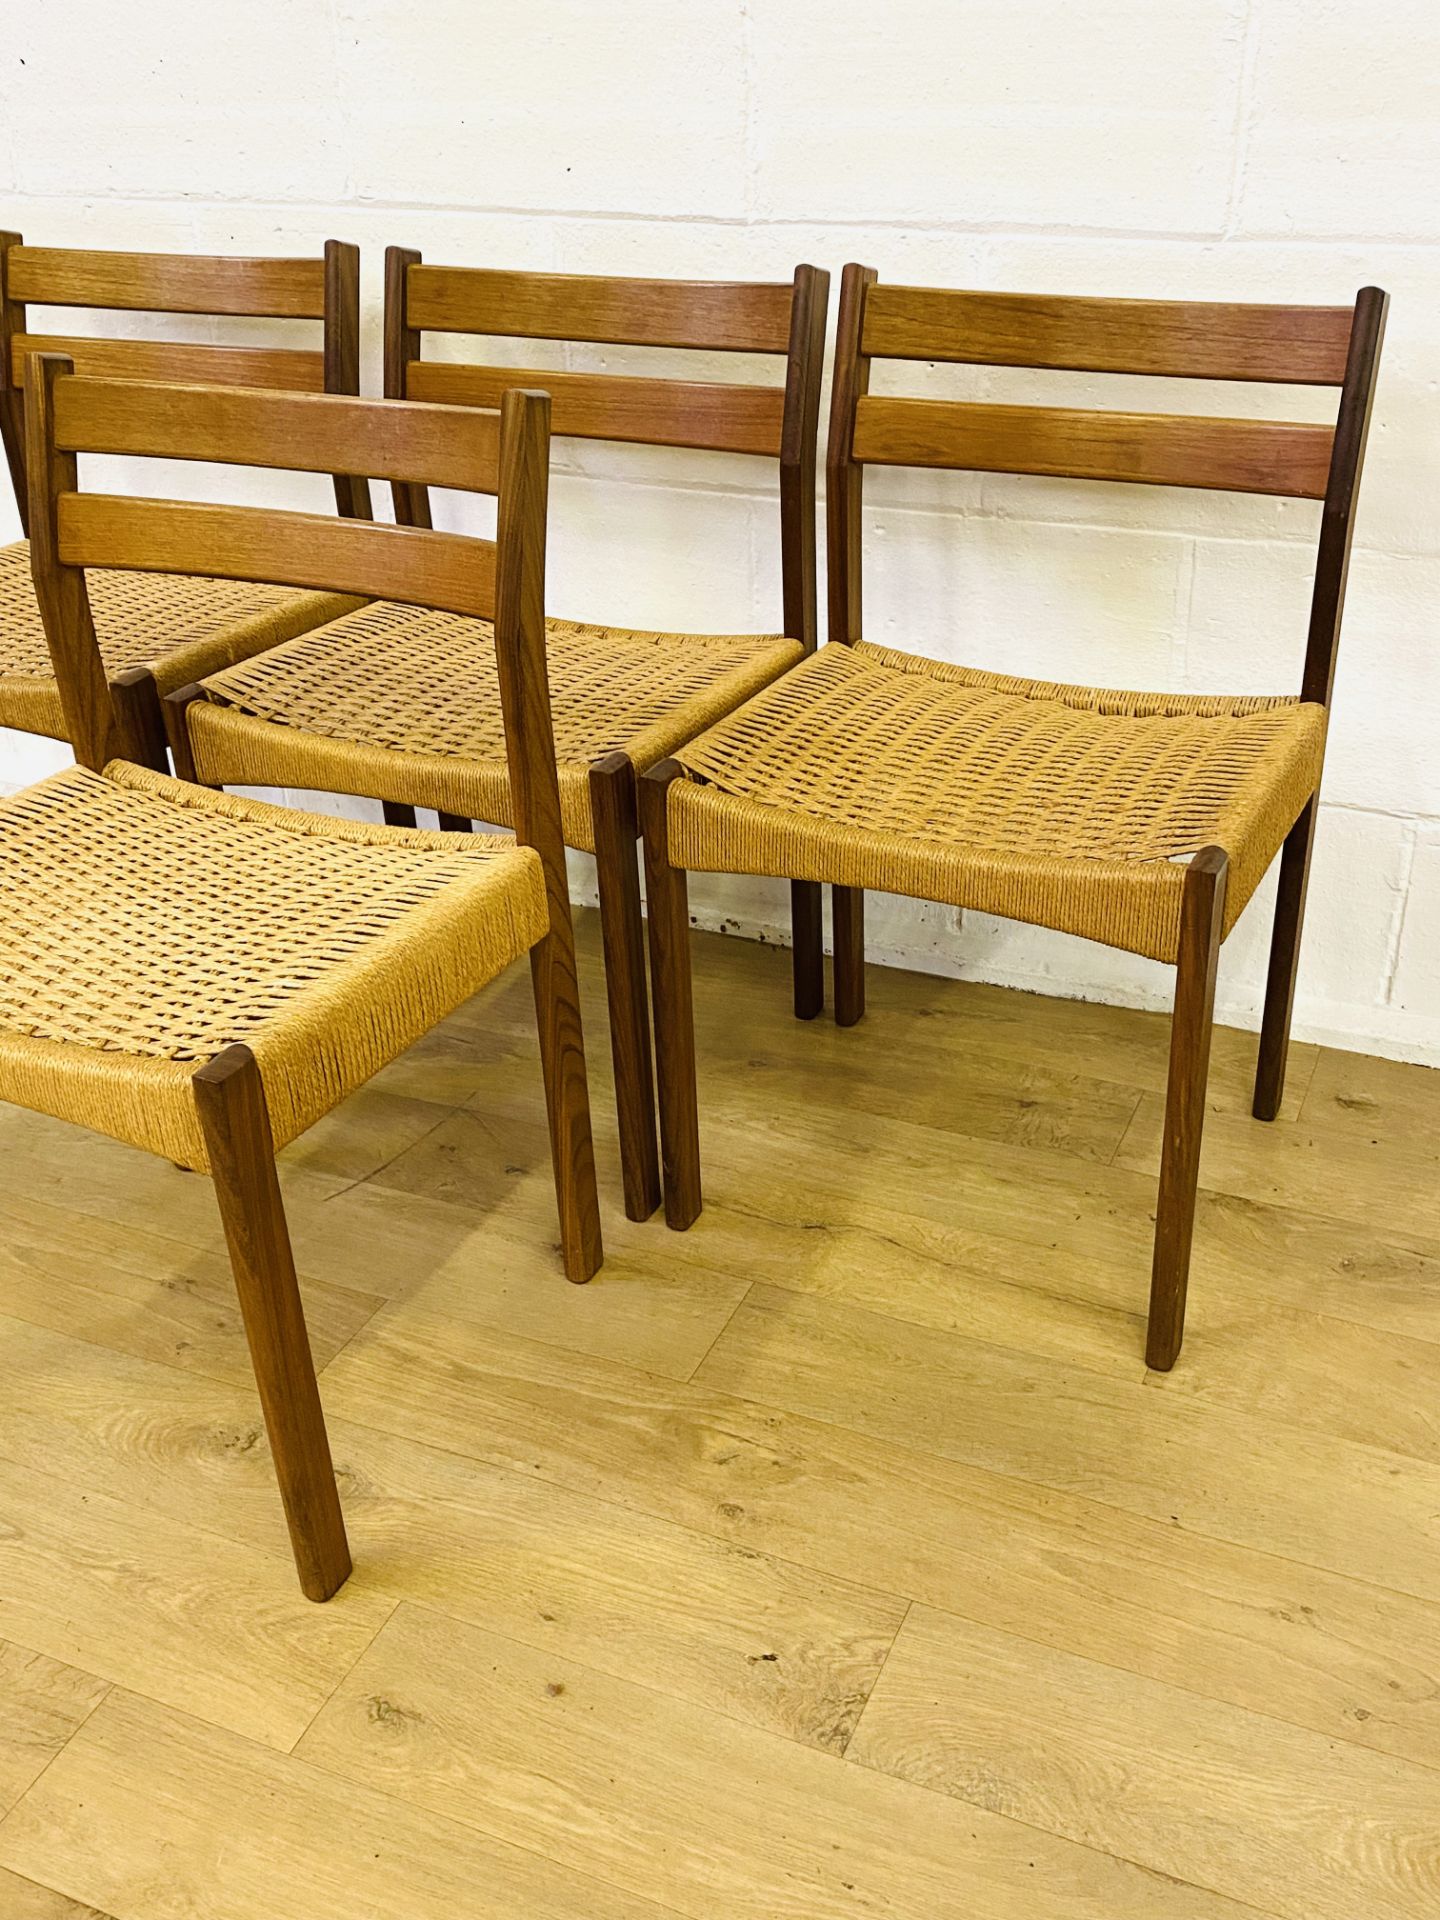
<point x="1287" y="345"/>
<point x="504" y="453"/>
<point x="779" y="422"/>
<point x="325" y="288"/>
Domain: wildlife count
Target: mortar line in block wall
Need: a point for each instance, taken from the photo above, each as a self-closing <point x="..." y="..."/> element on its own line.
<point x="749" y="141"/>
<point x="1393" y="945"/>
<point x="1184" y="612"/>
<point x="1243" y="125"/>
<point x="1048" y="231"/>
<point x="998" y="512"/>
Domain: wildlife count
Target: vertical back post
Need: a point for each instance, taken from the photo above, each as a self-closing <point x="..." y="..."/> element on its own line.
<point x="1352" y="430"/>
<point x="520" y="634"/>
<point x="797" y="452"/>
<point x="843" y="476"/>
<point x="535" y="809"/>
<point x="342" y="357"/>
<point x="844" y="479"/>
<point x="95" y="730"/>
<point x="12" y="398"/>
<point x="402" y="345"/>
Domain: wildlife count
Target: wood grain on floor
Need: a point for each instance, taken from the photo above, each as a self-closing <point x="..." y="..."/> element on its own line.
<point x="837" y="1560"/>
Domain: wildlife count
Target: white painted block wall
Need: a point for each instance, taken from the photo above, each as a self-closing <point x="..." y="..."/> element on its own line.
<point x="1248" y="149"/>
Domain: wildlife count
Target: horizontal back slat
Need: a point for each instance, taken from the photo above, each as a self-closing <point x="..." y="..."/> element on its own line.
<point x="446" y="570"/>
<point x="306" y="433"/>
<point x="1193" y="339"/>
<point x="728" y="316"/>
<point x="601" y="406"/>
<point x="168" y="283"/>
<point x="1175" y="450"/>
<point x="293" y="368"/>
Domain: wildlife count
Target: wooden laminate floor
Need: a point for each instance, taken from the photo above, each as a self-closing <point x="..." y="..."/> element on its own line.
<point x="837" y="1559"/>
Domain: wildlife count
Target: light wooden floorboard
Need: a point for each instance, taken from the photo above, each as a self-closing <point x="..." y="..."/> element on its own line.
<point x="1248" y="1479"/>
<point x="788" y="1646"/>
<point x="146" y="1294"/>
<point x="22" y="1899"/>
<point x="1150" y="1774"/>
<point x="714" y="1820"/>
<point x="150" y="1815"/>
<point x="42" y="1702"/>
<point x="453" y="1258"/>
<point x="1246" y="1623"/>
<point x="171" y="1607"/>
<point x="819" y="1195"/>
<point x="119" y="1186"/>
<point x="1374" y="1099"/>
<point x="836" y="1560"/>
<point x="1389" y="1188"/>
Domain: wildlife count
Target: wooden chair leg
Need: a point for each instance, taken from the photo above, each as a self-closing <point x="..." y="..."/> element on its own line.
<point x="231" y="1103"/>
<point x="669" y="924"/>
<point x="177" y="729"/>
<point x="617" y="868"/>
<point x="567" y="1099"/>
<point x="136" y="700"/>
<point x="1284" y="965"/>
<point x="807" y="934"/>
<point x="396" y="815"/>
<point x="847" y="906"/>
<point x="1202" y="916"/>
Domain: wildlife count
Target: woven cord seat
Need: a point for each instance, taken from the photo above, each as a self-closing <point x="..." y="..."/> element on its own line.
<point x="402" y="704"/>
<point x="1069" y="807"/>
<point x="148" y="925"/>
<point x="178" y="626"/>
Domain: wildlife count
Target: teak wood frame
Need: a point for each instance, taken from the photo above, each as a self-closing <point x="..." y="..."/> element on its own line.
<point x="1324" y="346"/>
<point x="502" y="581"/>
<point x="780" y="423"/>
<point x="324" y="288"/>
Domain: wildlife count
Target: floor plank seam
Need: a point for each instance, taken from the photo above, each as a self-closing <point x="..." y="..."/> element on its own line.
<point x="910" y="1606"/>
<point x="1134" y="1320"/>
<point x="383" y="1303"/>
<point x="1143" y="1378"/>
<point x="373" y="1173"/>
<point x="581" y="1875"/>
<point x="1326" y="1737"/>
<point x="898" y="1781"/>
<point x="1310" y="1075"/>
<point x="1125" y="1130"/>
<point x="108" y="1687"/>
<point x="380" y="1628"/>
<point x="58" y="1893"/>
<point x="1055" y="1833"/>
<point x="720" y="1335"/>
<point x="728" y="1204"/>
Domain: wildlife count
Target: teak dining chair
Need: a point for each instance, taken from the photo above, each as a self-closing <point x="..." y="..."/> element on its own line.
<point x="158" y="631"/>
<point x="204" y="976"/>
<point x="1143" y="820"/>
<point x="401" y="706"/>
